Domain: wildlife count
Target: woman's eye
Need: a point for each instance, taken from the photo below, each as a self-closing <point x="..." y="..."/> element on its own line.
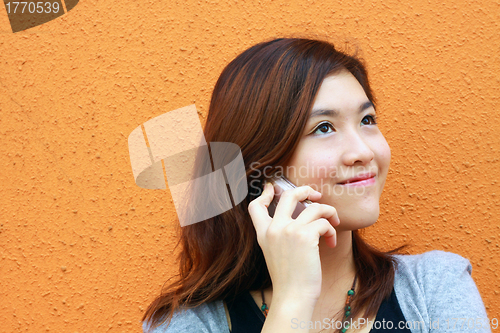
<point x="372" y="120"/>
<point x="323" y="128"/>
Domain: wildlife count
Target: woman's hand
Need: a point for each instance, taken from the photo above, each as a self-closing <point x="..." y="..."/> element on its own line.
<point x="291" y="246"/>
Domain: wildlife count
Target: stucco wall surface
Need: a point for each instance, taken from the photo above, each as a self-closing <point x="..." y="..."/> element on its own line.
<point x="84" y="249"/>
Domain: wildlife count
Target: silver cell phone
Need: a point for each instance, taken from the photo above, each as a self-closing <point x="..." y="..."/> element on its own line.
<point x="281" y="183"/>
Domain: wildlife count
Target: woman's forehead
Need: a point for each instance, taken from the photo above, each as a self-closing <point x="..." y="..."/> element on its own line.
<point x="340" y="91"/>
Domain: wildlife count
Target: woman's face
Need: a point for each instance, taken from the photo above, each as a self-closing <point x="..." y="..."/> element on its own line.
<point x="341" y="141"/>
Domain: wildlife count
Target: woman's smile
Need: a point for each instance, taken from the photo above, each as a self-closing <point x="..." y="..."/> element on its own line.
<point x="360" y="182"/>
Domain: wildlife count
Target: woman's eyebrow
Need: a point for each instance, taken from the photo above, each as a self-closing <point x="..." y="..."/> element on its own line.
<point x="334" y="113"/>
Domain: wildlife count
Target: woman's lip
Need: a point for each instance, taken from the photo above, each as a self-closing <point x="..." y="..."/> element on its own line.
<point x="364" y="182"/>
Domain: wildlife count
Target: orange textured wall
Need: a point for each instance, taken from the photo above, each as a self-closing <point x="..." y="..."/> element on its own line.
<point x="84" y="249"/>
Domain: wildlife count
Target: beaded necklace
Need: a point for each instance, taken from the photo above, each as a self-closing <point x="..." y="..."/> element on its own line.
<point x="350" y="294"/>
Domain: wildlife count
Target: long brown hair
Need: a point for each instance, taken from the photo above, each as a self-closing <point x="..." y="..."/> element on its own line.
<point x="261" y="102"/>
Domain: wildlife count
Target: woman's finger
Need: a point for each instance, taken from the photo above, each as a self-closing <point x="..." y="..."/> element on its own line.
<point x="316" y="211"/>
<point x="322" y="227"/>
<point x="257" y="209"/>
<point x="288" y="201"/>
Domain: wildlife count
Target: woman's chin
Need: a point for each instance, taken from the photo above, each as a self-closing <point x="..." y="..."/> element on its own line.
<point x="353" y="220"/>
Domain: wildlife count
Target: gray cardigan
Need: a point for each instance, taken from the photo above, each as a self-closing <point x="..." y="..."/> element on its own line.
<point x="435" y="291"/>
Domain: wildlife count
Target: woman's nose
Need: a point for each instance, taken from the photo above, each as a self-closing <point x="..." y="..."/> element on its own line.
<point x="357" y="150"/>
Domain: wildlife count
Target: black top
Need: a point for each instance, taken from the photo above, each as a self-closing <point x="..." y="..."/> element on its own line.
<point x="246" y="316"/>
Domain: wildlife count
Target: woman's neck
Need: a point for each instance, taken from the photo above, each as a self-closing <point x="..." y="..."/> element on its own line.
<point x="337" y="266"/>
<point x="337" y="263"/>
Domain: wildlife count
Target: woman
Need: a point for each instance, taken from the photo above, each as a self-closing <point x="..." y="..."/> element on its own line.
<point x="303" y="109"/>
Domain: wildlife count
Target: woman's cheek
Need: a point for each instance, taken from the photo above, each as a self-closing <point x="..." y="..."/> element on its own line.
<point x="384" y="152"/>
<point x="388" y="150"/>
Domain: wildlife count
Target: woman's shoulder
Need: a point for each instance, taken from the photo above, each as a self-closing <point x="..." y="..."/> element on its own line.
<point x="437" y="285"/>
<point x="420" y="274"/>
<point x="206" y="318"/>
<point x="429" y="263"/>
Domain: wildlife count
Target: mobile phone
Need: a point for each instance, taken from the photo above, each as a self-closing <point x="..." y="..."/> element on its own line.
<point x="281" y="183"/>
